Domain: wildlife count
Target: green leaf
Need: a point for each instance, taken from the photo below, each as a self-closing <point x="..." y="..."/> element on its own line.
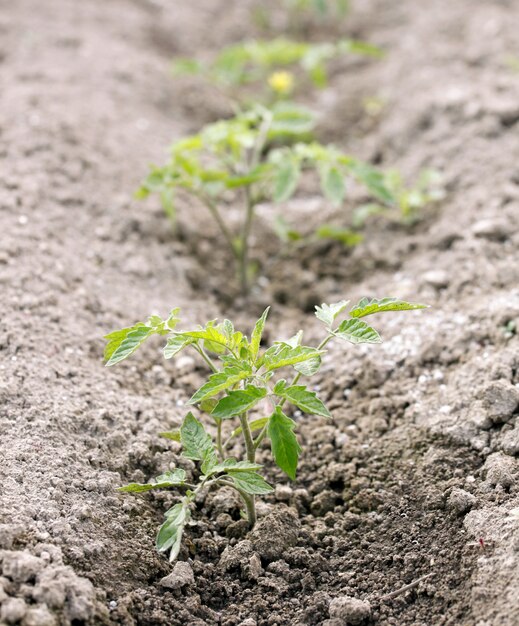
<point x="254" y="426"/>
<point x="362" y="213"/>
<point x="186" y="66"/>
<point x="282" y="354"/>
<point x="239" y="401"/>
<point x="346" y="236"/>
<point x="207" y="406"/>
<point x="328" y="313"/>
<point x="332" y="184"/>
<point x="310" y="367"/>
<point x="290" y="120"/>
<point x="232" y="465"/>
<point x="170" y="533"/>
<point x="173" y="435"/>
<point x="175" y="478"/>
<point x="255" y="339"/>
<point x="285" y="180"/>
<point x="251" y="483"/>
<point x="123" y="343"/>
<point x="285" y="447"/>
<point x="295" y="340"/>
<point x="215" y="340"/>
<point x="356" y="331"/>
<point x="197" y="443"/>
<point x="368" y="306"/>
<point x="284" y="231"/>
<point x="175" y="345"/>
<point x="221" y="381"/>
<point x="374" y="181"/>
<point x="359" y="47"/>
<point x="305" y="400"/>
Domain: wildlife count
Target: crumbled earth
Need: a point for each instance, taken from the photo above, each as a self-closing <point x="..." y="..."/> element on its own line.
<point x="415" y="478"/>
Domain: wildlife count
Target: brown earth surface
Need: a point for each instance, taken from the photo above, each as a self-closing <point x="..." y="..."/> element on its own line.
<point x="417" y="473"/>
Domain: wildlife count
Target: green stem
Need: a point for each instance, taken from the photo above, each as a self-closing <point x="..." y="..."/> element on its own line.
<point x="206" y="358"/>
<point x="254" y="161"/>
<point x="247" y="435"/>
<point x="213" y="209"/>
<point x="219" y="439"/>
<point x="249" y="500"/>
<point x="250" y="504"/>
<point x="244" y="242"/>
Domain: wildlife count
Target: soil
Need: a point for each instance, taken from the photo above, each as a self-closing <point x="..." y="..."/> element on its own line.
<point x="414" y="480"/>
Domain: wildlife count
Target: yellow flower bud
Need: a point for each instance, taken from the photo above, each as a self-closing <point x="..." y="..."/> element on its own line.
<point x="281" y="82"/>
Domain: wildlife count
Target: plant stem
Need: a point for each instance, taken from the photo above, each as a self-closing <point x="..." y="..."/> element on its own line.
<point x="248" y="500"/>
<point x="250" y="505"/>
<point x="206" y="358"/>
<point x="255" y="158"/>
<point x="219" y="439"/>
<point x="213" y="209"/>
<point x="244" y="242"/>
<point x="249" y="443"/>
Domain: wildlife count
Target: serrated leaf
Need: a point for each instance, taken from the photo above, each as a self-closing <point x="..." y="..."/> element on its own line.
<point x="328" y="313"/>
<point x="173" y="435"/>
<point x="123" y="343"/>
<point x="255" y="339"/>
<point x="285" y="447"/>
<point x="368" y="306"/>
<point x="310" y="367"/>
<point x="254" y="426"/>
<point x="221" y="381"/>
<point x="282" y="355"/>
<point x="175" y="478"/>
<point x="215" y="340"/>
<point x="285" y="180"/>
<point x="356" y="331"/>
<point x="239" y="401"/>
<point x="197" y="443"/>
<point x="218" y="338"/>
<point x="251" y="483"/>
<point x="280" y="387"/>
<point x="332" y="184"/>
<point x="295" y="340"/>
<point x="170" y="533"/>
<point x="175" y="345"/>
<point x="155" y="320"/>
<point x="305" y="400"/>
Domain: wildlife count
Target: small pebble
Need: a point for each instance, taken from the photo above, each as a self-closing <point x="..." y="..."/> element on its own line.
<point x="350" y="610"/>
<point x="181" y="576"/>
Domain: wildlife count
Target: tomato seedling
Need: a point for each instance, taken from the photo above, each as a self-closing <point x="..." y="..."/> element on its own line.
<point x="257" y="156"/>
<point x="259" y="62"/>
<point x="245" y="398"/>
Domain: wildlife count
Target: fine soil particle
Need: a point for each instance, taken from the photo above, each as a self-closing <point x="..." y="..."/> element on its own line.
<point x="416" y="475"/>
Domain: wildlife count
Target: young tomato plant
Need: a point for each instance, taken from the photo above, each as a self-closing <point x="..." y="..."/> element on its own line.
<point x="245" y="398"/>
<point x="254" y="157"/>
<point x="408" y="202"/>
<point x="272" y="62"/>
